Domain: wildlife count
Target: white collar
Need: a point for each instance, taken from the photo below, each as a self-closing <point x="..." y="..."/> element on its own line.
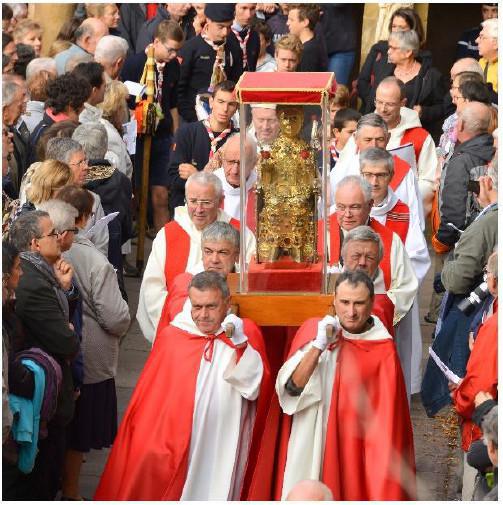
<point x="377" y="332"/>
<point x="183" y="219"/>
<point x="386" y="205"/>
<point x="231" y="190"/>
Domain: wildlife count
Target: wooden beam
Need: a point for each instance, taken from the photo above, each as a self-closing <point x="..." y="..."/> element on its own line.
<point x="281" y="310"/>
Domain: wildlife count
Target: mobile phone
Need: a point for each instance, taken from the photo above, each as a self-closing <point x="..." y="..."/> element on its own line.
<point x="474" y="187"/>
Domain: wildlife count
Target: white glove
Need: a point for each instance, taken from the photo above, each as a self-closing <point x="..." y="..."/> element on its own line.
<point x="321" y="341"/>
<point x="238" y="336"/>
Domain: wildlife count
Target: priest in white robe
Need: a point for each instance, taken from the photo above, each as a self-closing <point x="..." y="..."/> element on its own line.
<point x="353" y="204"/>
<point x="177" y="247"/>
<point x="343" y="430"/>
<point x="376" y="166"/>
<point x="372" y="131"/>
<point x="190" y="429"/>
<point x="230" y="176"/>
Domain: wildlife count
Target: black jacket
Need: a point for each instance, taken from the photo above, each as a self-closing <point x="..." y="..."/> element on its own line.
<point x="191" y="145"/>
<point x="35" y="137"/>
<point x="314" y="56"/>
<point x="47" y="327"/>
<point x="197" y="59"/>
<point x="115" y="192"/>
<point x="132" y="18"/>
<point x="252" y="47"/>
<point x="454" y="185"/>
<point x="339" y="27"/>
<point x="375" y="69"/>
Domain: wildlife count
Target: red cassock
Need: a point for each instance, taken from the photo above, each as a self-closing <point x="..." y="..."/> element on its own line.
<point x="356" y="465"/>
<point x="149" y="458"/>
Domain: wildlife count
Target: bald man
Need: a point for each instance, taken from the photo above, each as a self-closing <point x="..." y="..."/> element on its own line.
<point x="404" y="127"/>
<point x="87" y="36"/>
<point x="475" y="148"/>
<point x="230" y="176"/>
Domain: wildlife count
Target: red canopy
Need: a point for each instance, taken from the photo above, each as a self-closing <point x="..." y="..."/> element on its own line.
<point x="285" y="87"/>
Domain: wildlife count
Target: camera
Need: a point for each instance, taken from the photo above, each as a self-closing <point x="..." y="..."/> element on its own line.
<point x="474" y="299"/>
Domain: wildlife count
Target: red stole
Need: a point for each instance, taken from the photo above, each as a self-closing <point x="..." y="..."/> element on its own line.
<point x="251" y="219"/>
<point x="398" y="218"/>
<point x="336" y="244"/>
<point x="177" y="251"/>
<point x="369" y="448"/>
<point x="401" y="170"/>
<point x="417" y="136"/>
<point x="149" y="458"/>
<point x="384" y="309"/>
<point x="177" y="294"/>
<point x="177" y="255"/>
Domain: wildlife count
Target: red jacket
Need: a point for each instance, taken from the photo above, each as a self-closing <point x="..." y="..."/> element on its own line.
<point x="481" y="375"/>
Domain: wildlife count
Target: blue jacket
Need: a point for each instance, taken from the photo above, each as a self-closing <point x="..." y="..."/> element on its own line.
<point x="26" y="423"/>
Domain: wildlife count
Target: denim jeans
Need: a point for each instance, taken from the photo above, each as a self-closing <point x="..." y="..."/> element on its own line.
<point x="451" y="346"/>
<point x="341" y="65"/>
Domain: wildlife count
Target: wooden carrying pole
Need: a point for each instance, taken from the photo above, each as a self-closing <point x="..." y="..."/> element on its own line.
<point x="148" y="118"/>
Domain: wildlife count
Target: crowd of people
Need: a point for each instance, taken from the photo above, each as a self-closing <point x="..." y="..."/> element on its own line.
<point x="225" y="409"/>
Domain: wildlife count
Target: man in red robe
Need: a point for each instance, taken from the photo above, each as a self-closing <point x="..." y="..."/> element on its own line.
<point x="353" y="203"/>
<point x="220" y="250"/>
<point x="192" y="427"/>
<point x="372" y="132"/>
<point x="376" y="167"/>
<point x="362" y="250"/>
<point x="346" y="419"/>
<point x="177" y="247"/>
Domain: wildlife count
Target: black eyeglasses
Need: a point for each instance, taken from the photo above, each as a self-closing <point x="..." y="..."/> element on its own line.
<point x="53" y="233"/>
<point x="75" y="231"/>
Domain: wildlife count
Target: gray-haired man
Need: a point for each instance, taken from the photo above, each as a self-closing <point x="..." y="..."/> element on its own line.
<point x="177" y="247"/>
<point x="42" y="307"/>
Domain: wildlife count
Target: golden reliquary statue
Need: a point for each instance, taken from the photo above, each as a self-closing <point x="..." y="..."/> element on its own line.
<point x="287" y="194"/>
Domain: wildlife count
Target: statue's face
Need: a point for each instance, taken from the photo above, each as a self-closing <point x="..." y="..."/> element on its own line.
<point x="290" y="122"/>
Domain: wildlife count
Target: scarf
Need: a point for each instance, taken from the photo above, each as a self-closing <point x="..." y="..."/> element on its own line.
<point x="214" y="141"/>
<point x="236" y="29"/>
<point x="218" y="74"/>
<point x="48" y="273"/>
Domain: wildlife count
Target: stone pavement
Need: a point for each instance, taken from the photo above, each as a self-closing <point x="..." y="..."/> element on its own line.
<point x="435" y="439"/>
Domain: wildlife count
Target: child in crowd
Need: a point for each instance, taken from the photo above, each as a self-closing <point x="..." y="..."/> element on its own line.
<point x="344" y="125"/>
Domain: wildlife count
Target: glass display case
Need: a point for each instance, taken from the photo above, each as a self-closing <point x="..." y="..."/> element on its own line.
<point x="284" y="118"/>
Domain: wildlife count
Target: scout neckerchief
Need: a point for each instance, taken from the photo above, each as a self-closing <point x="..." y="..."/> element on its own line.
<point x="214" y="141"/>
<point x="218" y="74"/>
<point x="333" y="151"/>
<point x="160" y="79"/>
<point x="242" y="43"/>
